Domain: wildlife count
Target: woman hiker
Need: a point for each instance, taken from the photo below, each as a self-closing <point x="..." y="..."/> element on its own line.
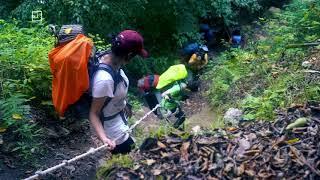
<point x="109" y="120"/>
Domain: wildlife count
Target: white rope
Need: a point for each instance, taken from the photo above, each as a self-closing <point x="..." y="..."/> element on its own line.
<point x="89" y="152"/>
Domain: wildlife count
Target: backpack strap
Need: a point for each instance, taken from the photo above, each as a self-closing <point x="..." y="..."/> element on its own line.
<point x="121" y="113"/>
<point x="117" y="78"/>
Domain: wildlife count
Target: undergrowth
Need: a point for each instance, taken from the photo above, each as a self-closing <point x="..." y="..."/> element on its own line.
<point x="25" y="80"/>
<point x="267" y="74"/>
<point x="15" y="115"/>
<point x="124" y="161"/>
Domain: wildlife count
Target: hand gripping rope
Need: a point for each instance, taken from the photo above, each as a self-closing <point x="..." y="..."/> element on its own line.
<point x="89" y="152"/>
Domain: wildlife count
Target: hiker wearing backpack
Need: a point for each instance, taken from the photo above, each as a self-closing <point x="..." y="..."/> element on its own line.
<point x="236" y="39"/>
<point x="147" y="87"/>
<point x="107" y="113"/>
<point x="168" y="90"/>
<point x="195" y="56"/>
<point x="88" y="84"/>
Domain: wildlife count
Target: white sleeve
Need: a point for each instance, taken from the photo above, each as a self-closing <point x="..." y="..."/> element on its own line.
<point x="103" y="88"/>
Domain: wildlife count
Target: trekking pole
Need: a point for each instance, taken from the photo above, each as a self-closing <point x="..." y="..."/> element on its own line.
<point x="89" y="152"/>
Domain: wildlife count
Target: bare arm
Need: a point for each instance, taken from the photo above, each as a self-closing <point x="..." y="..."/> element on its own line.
<point x="94" y="116"/>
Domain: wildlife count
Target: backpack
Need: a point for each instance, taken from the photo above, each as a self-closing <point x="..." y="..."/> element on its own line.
<point x="66" y="35"/>
<point x="148" y="83"/>
<point x="171" y="75"/>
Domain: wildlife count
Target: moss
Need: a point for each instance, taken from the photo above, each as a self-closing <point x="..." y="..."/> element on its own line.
<point x="124" y="161"/>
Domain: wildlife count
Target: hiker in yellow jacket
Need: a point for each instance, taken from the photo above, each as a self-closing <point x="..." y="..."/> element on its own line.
<point x="199" y="59"/>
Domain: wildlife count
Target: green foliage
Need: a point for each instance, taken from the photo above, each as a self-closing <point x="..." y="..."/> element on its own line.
<point x="24" y="66"/>
<point x="7" y="6"/>
<point x="232" y="68"/>
<point x="124" y="161"/>
<point x="25" y="79"/>
<point x="15" y="115"/>
<point x="165" y="24"/>
<point x="266" y="75"/>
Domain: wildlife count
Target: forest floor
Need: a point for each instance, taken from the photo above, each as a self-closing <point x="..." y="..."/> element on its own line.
<point x="78" y="137"/>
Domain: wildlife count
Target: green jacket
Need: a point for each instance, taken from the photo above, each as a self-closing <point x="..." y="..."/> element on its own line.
<point x="175" y="92"/>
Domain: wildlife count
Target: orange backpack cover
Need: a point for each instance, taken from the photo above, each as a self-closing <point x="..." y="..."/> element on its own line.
<point x="68" y="64"/>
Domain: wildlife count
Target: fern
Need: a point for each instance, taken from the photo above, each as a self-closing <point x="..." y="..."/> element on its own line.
<point x="15" y="118"/>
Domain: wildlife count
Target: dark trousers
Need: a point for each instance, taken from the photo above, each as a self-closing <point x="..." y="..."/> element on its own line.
<point x="124" y="148"/>
<point x="181" y="117"/>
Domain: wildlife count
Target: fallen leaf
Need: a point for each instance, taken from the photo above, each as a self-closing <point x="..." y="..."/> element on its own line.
<point x="184" y="150"/>
<point x="231" y="128"/>
<point x="150" y="162"/>
<point x="173" y="140"/>
<point x="240" y="170"/>
<point x="164" y="154"/>
<point x="136" y="167"/>
<point x="243" y="146"/>
<point x="156" y="172"/>
<point x="178" y="175"/>
<point x="161" y="145"/>
<point x="205" y="165"/>
<point x="205" y="141"/>
<point x="250" y="172"/>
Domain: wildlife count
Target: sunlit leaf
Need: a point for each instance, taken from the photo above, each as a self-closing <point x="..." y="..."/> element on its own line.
<point x="16" y="116"/>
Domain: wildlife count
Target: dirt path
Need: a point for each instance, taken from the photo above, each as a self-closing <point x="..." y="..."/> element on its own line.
<point x="55" y="151"/>
<point x="81" y="138"/>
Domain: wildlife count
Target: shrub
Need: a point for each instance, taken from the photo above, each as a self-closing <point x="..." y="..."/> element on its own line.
<point x="15" y="116"/>
<point x="165" y="24"/>
<point x="24" y="66"/>
<point x="268" y="74"/>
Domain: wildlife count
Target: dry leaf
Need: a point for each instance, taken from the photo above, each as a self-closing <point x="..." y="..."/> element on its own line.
<point x="231" y="128"/>
<point x="184" y="150"/>
<point x="240" y="170"/>
<point x="161" y="145"/>
<point x="156" y="172"/>
<point x="150" y="162"/>
<point x="250" y="172"/>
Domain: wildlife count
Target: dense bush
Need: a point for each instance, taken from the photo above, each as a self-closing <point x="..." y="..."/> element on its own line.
<point x="165" y="24"/>
<point x="24" y="77"/>
<point x="268" y="74"/>
<point x="24" y="66"/>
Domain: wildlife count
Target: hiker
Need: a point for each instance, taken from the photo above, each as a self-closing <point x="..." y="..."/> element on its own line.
<point x="207" y="33"/>
<point x="168" y="90"/>
<point x="236" y="39"/>
<point x="112" y="124"/>
<point x="195" y="56"/>
<point x="175" y="92"/>
<point x="147" y="87"/>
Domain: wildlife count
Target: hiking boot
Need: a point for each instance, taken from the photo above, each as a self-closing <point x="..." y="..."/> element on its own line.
<point x="180" y="118"/>
<point x="179" y="122"/>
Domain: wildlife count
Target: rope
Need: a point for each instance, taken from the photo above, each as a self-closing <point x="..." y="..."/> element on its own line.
<point x="89" y="152"/>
